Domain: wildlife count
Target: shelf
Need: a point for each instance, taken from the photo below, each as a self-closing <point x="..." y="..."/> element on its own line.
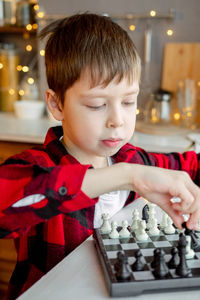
<point x="16" y="30"/>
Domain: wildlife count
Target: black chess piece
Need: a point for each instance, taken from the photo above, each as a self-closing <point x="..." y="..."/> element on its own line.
<point x="117" y="265"/>
<point x="123" y="272"/>
<point x="174" y="261"/>
<point x="138" y="265"/>
<point x="195" y="241"/>
<point x="182" y="269"/>
<point x="145" y="213"/>
<point x="161" y="270"/>
<point x="155" y="258"/>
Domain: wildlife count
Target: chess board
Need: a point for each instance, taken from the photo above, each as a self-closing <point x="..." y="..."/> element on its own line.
<point x="143" y="281"/>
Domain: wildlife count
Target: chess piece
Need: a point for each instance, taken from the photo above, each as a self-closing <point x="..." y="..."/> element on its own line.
<point x="145" y="213"/>
<point x="114" y="234"/>
<point x="124" y="232"/>
<point x="174" y="261"/>
<point x="189" y="252"/>
<point x="135" y="219"/>
<point x="105" y="227"/>
<point x="123" y="272"/>
<point x="141" y="234"/>
<point x="152" y="213"/>
<point x="169" y="229"/>
<point x="153" y="230"/>
<point x="155" y="257"/>
<point x="195" y="241"/>
<point x="182" y="269"/>
<point x="163" y="222"/>
<point x="117" y="265"/>
<point x="161" y="270"/>
<point x="138" y="265"/>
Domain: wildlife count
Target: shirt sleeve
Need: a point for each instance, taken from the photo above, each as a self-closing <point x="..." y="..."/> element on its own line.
<point x="32" y="193"/>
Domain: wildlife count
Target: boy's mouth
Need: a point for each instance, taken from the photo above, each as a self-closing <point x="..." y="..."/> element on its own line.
<point x="112" y="143"/>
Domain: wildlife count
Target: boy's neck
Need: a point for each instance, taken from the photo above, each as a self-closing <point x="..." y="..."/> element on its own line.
<point x="96" y="161"/>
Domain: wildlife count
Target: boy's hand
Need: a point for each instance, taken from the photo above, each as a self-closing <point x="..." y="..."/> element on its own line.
<point x="159" y="186"/>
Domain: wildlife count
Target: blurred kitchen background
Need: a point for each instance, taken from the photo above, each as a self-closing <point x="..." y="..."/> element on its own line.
<point x="166" y="34"/>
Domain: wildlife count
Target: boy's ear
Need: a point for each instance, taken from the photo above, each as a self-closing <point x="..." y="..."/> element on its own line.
<point x="54" y="105"/>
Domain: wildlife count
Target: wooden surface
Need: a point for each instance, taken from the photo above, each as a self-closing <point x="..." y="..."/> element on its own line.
<point x="181" y="61"/>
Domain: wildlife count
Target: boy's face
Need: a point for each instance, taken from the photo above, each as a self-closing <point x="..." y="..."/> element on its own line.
<point x="98" y="121"/>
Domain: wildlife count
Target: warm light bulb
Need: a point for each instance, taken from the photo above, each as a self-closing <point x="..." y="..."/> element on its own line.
<point x="30" y="80"/>
<point x="21" y="92"/>
<point x="198" y="83"/>
<point x="36" y="7"/>
<point x="132" y="27"/>
<point x="152" y="13"/>
<point x="29" y="27"/>
<point x="35" y="26"/>
<point x="137" y="111"/>
<point x="1" y="66"/>
<point x="42" y="52"/>
<point x="40" y="14"/>
<point x="28" y="48"/>
<point x="25" y="69"/>
<point x="11" y="91"/>
<point x="177" y="116"/>
<point x="170" y="32"/>
<point x="19" y="68"/>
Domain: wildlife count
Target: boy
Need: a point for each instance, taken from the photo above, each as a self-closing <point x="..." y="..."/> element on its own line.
<point x="52" y="197"/>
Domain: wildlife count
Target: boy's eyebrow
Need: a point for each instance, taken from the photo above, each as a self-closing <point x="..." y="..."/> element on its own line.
<point x="90" y="95"/>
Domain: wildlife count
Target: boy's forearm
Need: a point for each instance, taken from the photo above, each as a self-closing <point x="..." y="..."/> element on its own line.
<point x="100" y="181"/>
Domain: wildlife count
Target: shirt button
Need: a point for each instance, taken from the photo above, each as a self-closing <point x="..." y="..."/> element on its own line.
<point x="62" y="191"/>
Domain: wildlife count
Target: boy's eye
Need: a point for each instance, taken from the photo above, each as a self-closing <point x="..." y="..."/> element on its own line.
<point x="129" y="103"/>
<point x="95" y="107"/>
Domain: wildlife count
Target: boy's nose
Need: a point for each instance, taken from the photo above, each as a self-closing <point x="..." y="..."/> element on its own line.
<point x="115" y="119"/>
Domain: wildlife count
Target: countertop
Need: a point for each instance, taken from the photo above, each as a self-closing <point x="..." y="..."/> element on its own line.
<point x="13" y="129"/>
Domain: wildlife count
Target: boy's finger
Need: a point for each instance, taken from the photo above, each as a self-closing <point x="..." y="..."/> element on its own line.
<point x="193" y="220"/>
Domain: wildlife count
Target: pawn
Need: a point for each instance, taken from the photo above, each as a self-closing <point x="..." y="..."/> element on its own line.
<point x="138" y="265"/>
<point x="189" y="252"/>
<point x="134" y="225"/>
<point x="141" y="234"/>
<point x="163" y="222"/>
<point x="114" y="234"/>
<point x="174" y="261"/>
<point x="124" y="232"/>
<point x="169" y="229"/>
<point x="155" y="257"/>
<point x="153" y="230"/>
<point x="123" y="272"/>
<point x="117" y="265"/>
<point x="105" y="227"/>
<point x="161" y="270"/>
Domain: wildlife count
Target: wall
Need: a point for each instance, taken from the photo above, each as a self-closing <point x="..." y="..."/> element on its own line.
<point x="185" y="25"/>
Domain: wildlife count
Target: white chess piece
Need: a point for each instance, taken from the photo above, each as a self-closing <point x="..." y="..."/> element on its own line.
<point x="153" y="230"/>
<point x="134" y="225"/>
<point x="189" y="252"/>
<point x="105" y="227"/>
<point x="114" y="234"/>
<point x="152" y="213"/>
<point x="141" y="234"/>
<point x="163" y="222"/>
<point x="124" y="232"/>
<point x="169" y="229"/>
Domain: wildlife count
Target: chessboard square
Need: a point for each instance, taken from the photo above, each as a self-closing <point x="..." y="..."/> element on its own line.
<point x="127" y="240"/>
<point x="193" y="263"/>
<point x="147" y="252"/>
<point x="145" y="245"/>
<point x="161" y="244"/>
<point x="129" y="246"/>
<point x="143" y="275"/>
<point x="172" y="237"/>
<point x="158" y="238"/>
<point x="110" y="241"/>
<point x="195" y="272"/>
<point x="197" y="254"/>
<point x="112" y="254"/>
<point x="130" y="252"/>
<point x="116" y="247"/>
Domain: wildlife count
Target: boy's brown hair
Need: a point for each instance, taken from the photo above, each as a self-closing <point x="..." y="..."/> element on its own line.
<point x="92" y="42"/>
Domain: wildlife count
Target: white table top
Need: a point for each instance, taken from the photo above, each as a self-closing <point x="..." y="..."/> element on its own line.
<point x="80" y="275"/>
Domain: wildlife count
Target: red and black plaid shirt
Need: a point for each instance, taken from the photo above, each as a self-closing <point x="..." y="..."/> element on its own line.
<point x="45" y="232"/>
